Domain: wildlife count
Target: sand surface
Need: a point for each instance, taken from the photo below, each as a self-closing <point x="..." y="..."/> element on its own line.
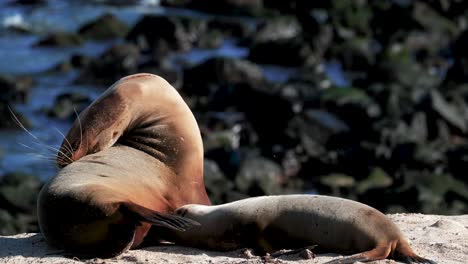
<point x="443" y="239"/>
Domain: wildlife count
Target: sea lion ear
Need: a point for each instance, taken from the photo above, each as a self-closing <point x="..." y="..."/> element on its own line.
<point x="144" y="214"/>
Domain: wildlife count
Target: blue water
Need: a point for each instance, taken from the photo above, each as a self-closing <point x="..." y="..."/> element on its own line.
<point x="20" y="151"/>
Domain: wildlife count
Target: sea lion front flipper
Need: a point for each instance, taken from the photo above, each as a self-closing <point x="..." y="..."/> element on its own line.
<point x="144" y="214"/>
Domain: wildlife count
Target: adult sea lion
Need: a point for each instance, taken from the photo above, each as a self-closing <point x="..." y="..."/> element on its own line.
<point x="271" y="223"/>
<point x="130" y="159"/>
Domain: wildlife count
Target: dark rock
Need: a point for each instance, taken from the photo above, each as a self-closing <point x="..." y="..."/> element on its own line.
<point x="352" y="105"/>
<point x="30" y="2"/>
<point x="356" y="56"/>
<point x="7" y="224"/>
<point x="217" y="184"/>
<point x="220" y="71"/>
<point x="231" y="28"/>
<point x="337" y="182"/>
<point x="385" y="11"/>
<point x="377" y="179"/>
<point x="19" y="191"/>
<point x="350" y="18"/>
<point x="116" y="2"/>
<point x="458" y="72"/>
<point x="286" y="52"/>
<point x="226" y="7"/>
<point x="210" y="40"/>
<point x="67" y="105"/>
<point x="76" y="61"/>
<point x="60" y="39"/>
<point x="277" y="29"/>
<point x="436" y="104"/>
<point x="449" y="9"/>
<point x="457" y="159"/>
<point x="221" y="141"/>
<point x="15" y="89"/>
<point x="259" y="176"/>
<point x="315" y="129"/>
<point x="171" y="75"/>
<point x="118" y="61"/>
<point x="172" y="33"/>
<point x="105" y="27"/>
<point x="246" y="99"/>
<point x="9" y="120"/>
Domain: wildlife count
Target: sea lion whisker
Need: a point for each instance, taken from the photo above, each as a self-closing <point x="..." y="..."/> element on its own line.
<point x="53" y="149"/>
<point x="18" y="122"/>
<point x="68" y="148"/>
<point x="81" y="129"/>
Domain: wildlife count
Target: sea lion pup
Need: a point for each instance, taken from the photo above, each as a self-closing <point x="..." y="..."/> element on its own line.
<point x="271" y="223"/>
<point x="131" y="158"/>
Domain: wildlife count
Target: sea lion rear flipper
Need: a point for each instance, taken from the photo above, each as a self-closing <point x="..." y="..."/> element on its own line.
<point x="144" y="214"/>
<point x="348" y="260"/>
<point x="378" y="253"/>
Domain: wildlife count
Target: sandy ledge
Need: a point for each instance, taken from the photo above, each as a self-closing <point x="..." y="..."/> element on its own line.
<point x="443" y="239"/>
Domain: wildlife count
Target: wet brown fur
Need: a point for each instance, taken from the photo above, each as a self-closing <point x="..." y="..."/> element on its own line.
<point x="129" y="160"/>
<point x="272" y="223"/>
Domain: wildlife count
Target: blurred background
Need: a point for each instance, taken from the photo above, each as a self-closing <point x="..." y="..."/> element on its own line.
<point x="361" y="99"/>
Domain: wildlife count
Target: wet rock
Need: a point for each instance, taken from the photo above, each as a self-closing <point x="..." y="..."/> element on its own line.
<point x="9" y="120"/>
<point x="117" y="2"/>
<point x="433" y="189"/>
<point x="457" y="73"/>
<point x="221" y="141"/>
<point x="336" y="182"/>
<point x="385" y="11"/>
<point x="169" y="73"/>
<point x="118" y="61"/>
<point x="217" y="184"/>
<point x="105" y="27"/>
<point x="210" y="40"/>
<point x="354" y="106"/>
<point x="259" y="176"/>
<point x="356" y="56"/>
<point x="15" y="89"/>
<point x="315" y="129"/>
<point x="67" y="105"/>
<point x="286" y="52"/>
<point x="30" y="2"/>
<point x="60" y="39"/>
<point x="7" y="223"/>
<point x="246" y="99"/>
<point x="277" y="29"/>
<point x="377" y="179"/>
<point x="449" y="9"/>
<point x="220" y="71"/>
<point x="457" y="161"/>
<point x="350" y="18"/>
<point x="18" y="192"/>
<point x="172" y="33"/>
<point x="227" y="7"/>
<point x="231" y="28"/>
<point x="76" y="61"/>
<point x="434" y="102"/>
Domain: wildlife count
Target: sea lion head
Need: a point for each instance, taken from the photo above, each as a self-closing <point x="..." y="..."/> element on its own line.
<point x="96" y="128"/>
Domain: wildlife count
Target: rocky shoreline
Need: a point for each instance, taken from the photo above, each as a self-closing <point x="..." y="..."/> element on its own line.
<point x="325" y="98"/>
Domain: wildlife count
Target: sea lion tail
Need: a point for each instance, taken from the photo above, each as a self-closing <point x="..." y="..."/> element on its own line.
<point x="404" y="252"/>
<point x="144" y="214"/>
